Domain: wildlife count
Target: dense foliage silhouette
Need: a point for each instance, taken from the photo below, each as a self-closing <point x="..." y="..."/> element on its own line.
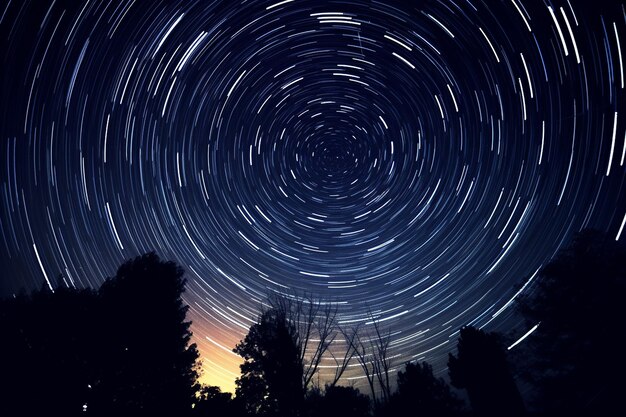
<point x="211" y="401"/>
<point x="121" y="350"/>
<point x="46" y="353"/>
<point x="574" y="359"/>
<point x="147" y="341"/>
<point x="271" y="375"/>
<point x="481" y="368"/>
<point x="419" y="392"/>
<point x="337" y="401"/>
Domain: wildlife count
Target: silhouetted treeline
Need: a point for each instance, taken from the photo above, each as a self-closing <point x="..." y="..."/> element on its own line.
<point x="125" y="350"/>
<point x="571" y="365"/>
<point x="121" y="350"/>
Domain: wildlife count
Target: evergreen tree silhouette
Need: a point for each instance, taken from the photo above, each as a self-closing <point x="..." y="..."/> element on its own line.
<point x="574" y="358"/>
<point x="480" y="367"/>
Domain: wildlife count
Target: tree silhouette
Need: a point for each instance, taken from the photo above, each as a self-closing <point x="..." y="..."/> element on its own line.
<point x="272" y="372"/>
<point x="480" y="367"/>
<point x="211" y="401"/>
<point x="573" y="358"/>
<point x="122" y="350"/>
<point x="46" y="362"/>
<point x="150" y="367"/>
<point x="340" y="401"/>
<point x="419" y="392"/>
<point x="315" y="325"/>
<point x="370" y="345"/>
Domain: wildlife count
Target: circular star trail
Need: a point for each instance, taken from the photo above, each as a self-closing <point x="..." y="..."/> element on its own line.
<point x="415" y="162"/>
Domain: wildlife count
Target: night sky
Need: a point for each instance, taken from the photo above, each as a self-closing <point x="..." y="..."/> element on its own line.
<point x="417" y="160"/>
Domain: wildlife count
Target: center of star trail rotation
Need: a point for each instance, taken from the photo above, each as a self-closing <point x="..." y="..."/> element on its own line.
<point x="413" y="162"/>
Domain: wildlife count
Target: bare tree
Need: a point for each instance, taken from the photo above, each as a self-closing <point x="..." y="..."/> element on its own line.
<point x="316" y="329"/>
<point x="361" y="349"/>
<point x="371" y="349"/>
<point x="349" y="353"/>
<point x="380" y="358"/>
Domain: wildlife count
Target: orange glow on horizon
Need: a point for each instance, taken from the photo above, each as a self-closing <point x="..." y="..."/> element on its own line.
<point x="219" y="364"/>
<point x="220" y="374"/>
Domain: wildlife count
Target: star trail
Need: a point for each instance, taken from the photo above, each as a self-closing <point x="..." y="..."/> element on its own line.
<point x="415" y="162"/>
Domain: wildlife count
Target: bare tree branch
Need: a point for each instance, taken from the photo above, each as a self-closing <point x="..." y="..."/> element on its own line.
<point x="340" y="368"/>
<point x="371" y="349"/>
<point x="362" y="356"/>
<point x="381" y="359"/>
<point x="316" y="325"/>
